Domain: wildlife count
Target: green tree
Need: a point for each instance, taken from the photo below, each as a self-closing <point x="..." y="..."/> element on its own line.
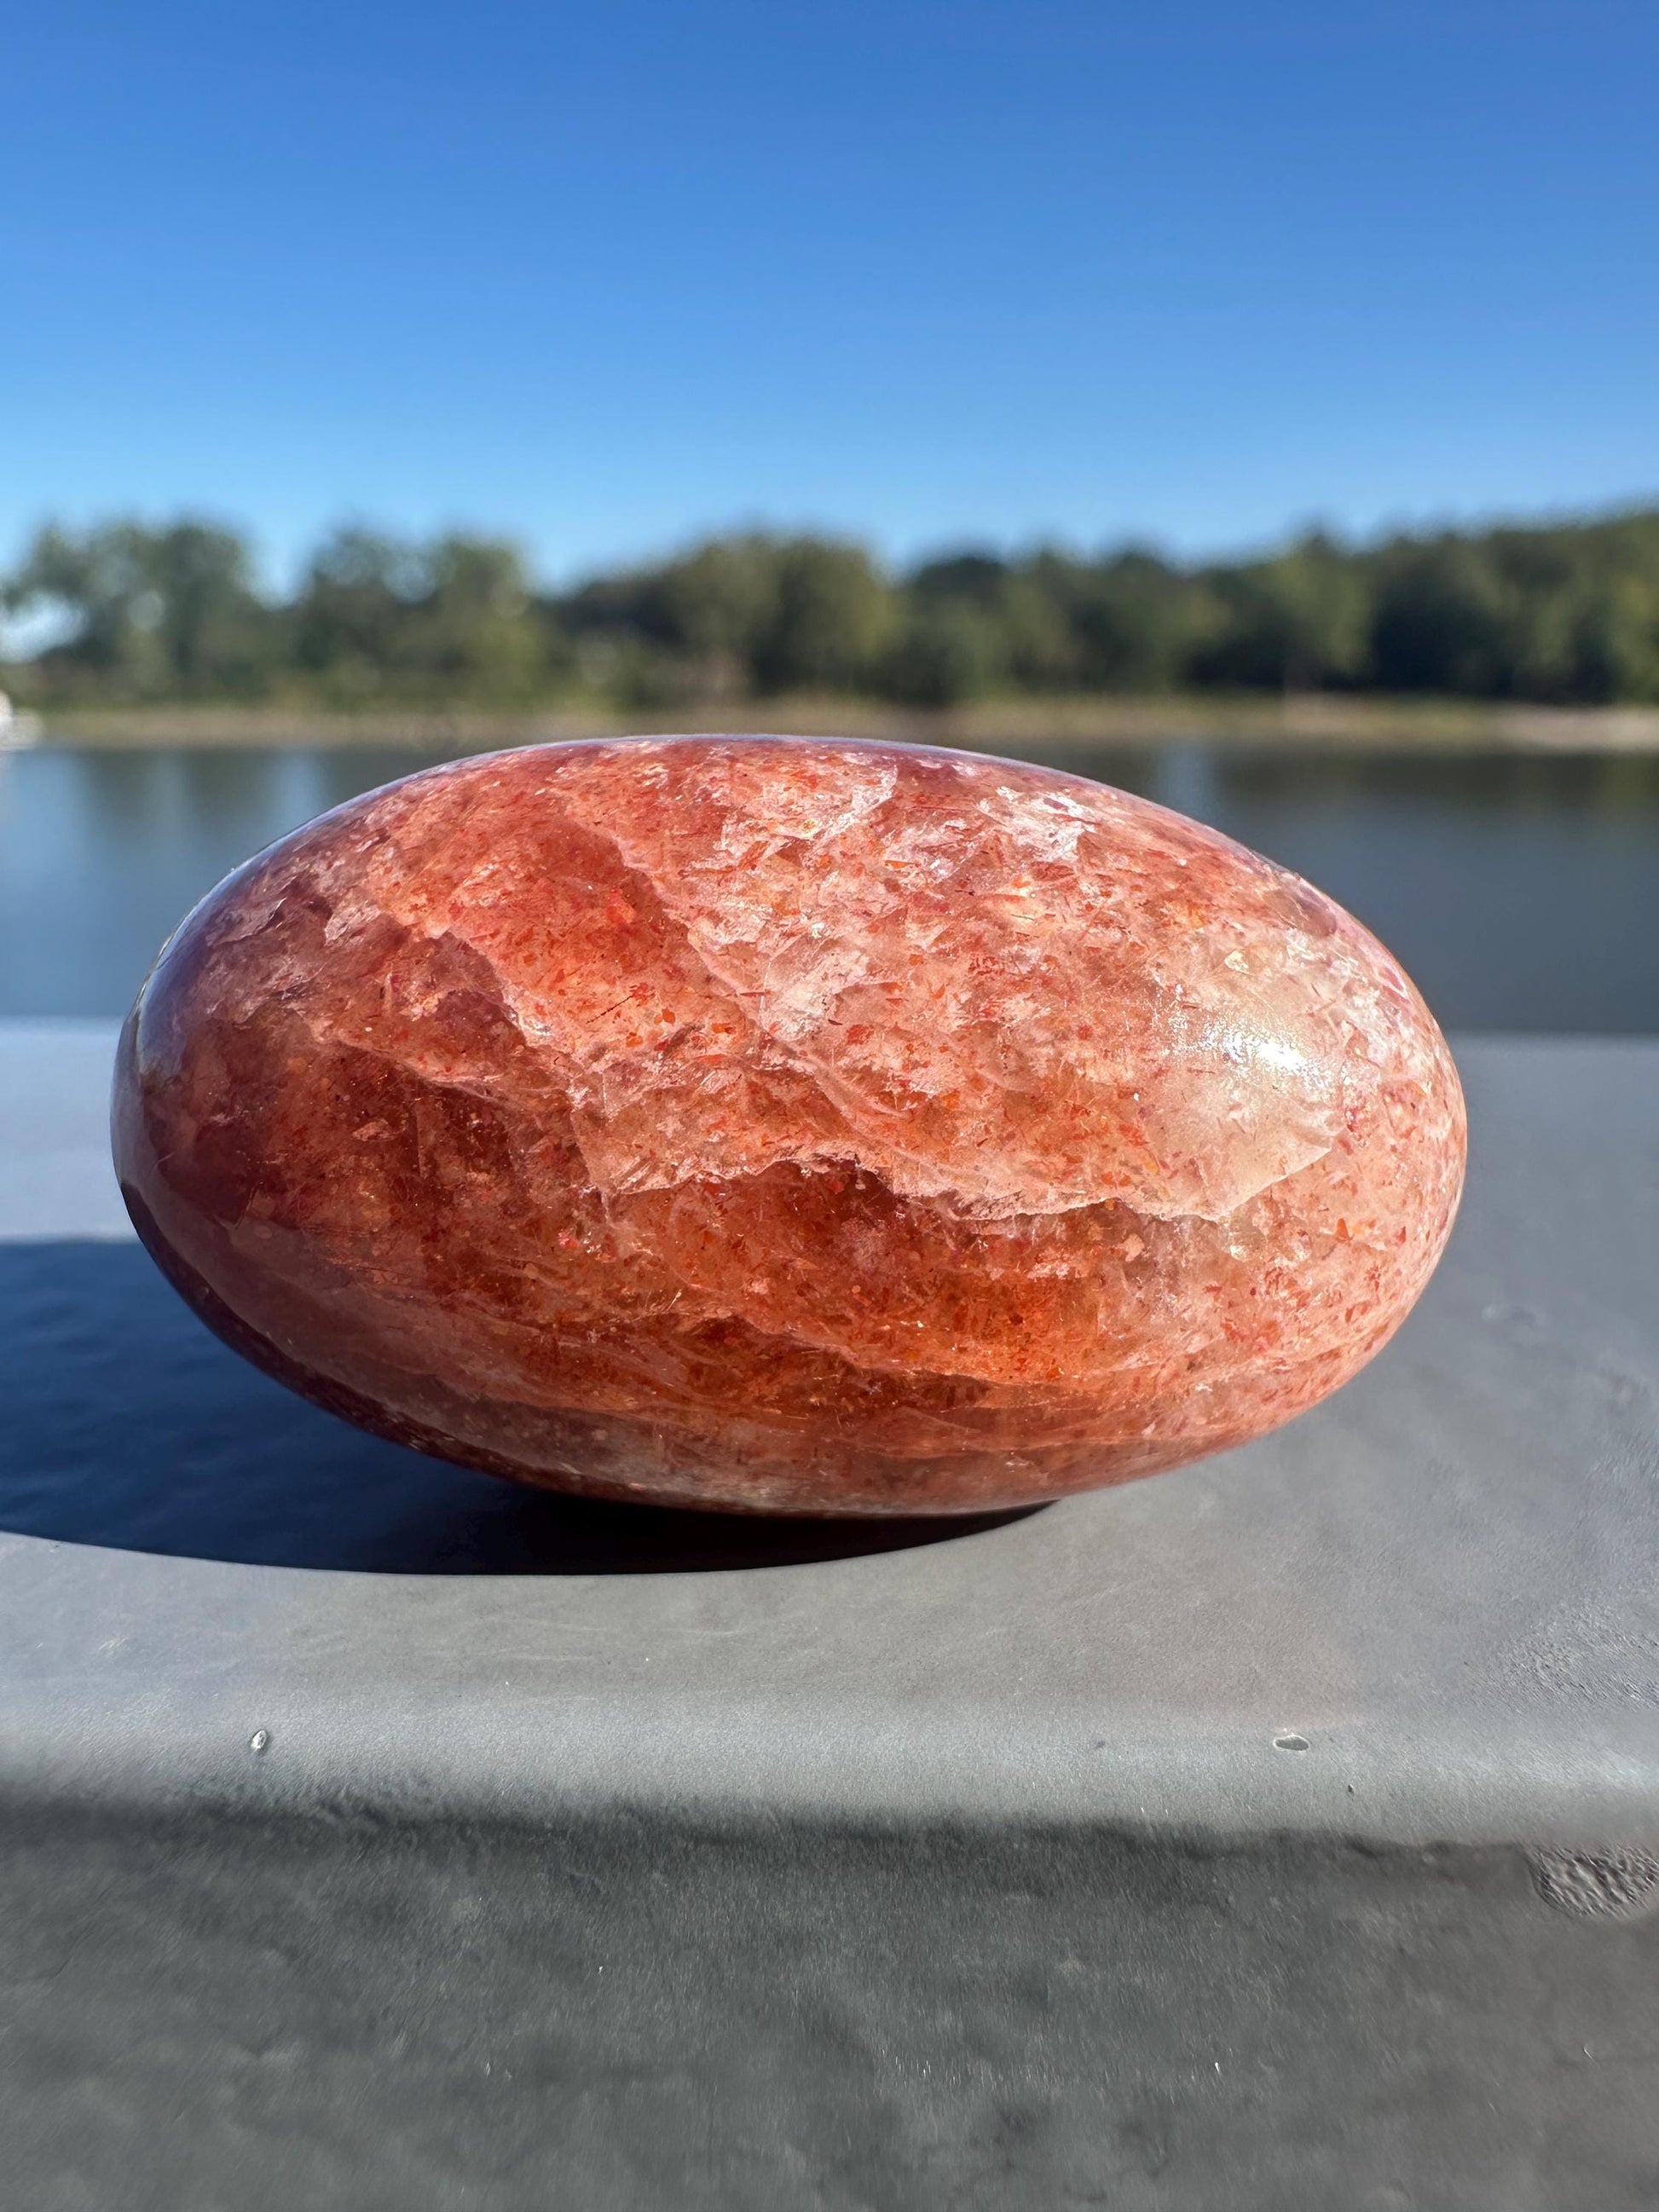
<point x="1298" y="622"/>
<point x="474" y="631"/>
<point x="167" y="611"/>
<point x="951" y="641"/>
<point x="944" y="651"/>
<point x="1564" y="612"/>
<point x="1442" y="620"/>
<point x="352" y="617"/>
<point x="452" y="618"/>
<point x="1131" y="617"/>
<point x="1614" y="643"/>
<point x="832" y="614"/>
<point x="715" y="604"/>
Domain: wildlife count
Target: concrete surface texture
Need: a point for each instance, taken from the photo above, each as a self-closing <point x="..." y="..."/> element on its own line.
<point x="1283" y="1830"/>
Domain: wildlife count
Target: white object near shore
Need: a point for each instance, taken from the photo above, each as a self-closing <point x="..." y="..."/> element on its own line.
<point x="17" y="727"/>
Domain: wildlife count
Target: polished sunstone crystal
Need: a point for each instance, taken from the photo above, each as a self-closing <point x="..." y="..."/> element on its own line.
<point x="787" y="1125"/>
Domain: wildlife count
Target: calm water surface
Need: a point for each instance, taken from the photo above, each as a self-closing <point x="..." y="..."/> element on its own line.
<point x="1521" y="893"/>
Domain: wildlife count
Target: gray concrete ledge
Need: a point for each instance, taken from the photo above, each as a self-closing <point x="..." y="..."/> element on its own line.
<point x="379" y="1838"/>
<point x="1446" y="1583"/>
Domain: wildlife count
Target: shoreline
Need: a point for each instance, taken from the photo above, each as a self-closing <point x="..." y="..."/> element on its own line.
<point x="988" y="725"/>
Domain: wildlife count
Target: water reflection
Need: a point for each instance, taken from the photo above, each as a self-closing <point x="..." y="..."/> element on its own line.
<point x="1521" y="891"/>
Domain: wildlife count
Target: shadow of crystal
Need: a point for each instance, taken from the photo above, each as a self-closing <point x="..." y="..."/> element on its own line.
<point x="128" y="1425"/>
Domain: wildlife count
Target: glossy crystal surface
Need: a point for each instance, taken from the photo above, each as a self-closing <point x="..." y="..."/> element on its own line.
<point x="787" y="1125"/>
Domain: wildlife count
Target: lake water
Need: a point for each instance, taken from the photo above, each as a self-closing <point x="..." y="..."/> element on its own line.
<point x="1522" y="892"/>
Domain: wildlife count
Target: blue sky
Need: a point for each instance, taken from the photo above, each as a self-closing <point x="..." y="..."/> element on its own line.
<point x="608" y="276"/>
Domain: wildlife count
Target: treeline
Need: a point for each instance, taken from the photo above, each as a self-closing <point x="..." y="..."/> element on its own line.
<point x="1564" y="613"/>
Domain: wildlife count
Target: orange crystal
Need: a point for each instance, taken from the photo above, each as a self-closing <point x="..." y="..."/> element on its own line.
<point x="787" y="1125"/>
